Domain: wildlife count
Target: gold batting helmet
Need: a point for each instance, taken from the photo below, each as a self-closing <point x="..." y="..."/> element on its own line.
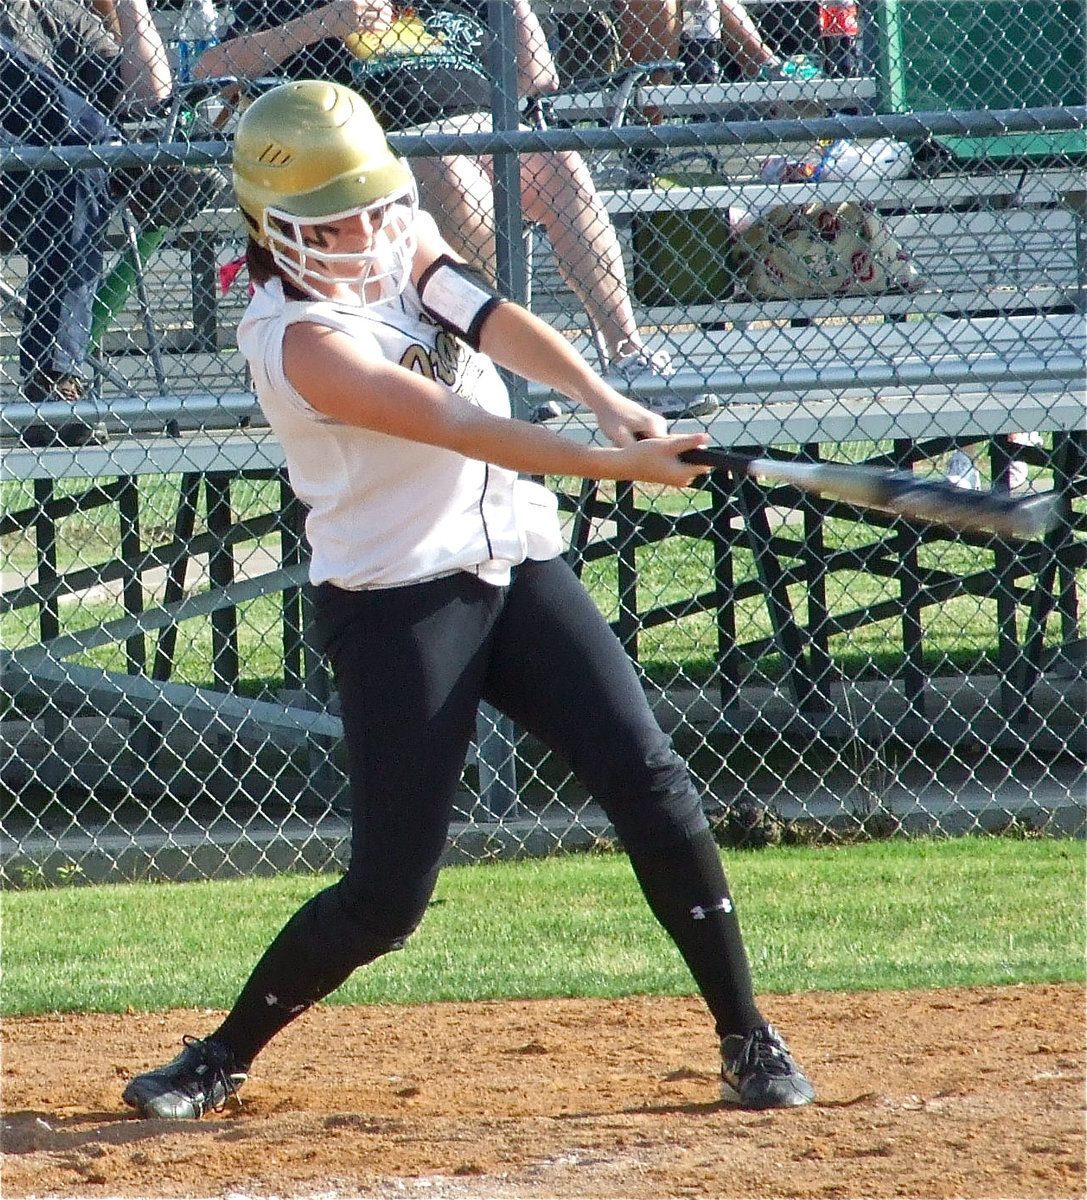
<point x="310" y="152"/>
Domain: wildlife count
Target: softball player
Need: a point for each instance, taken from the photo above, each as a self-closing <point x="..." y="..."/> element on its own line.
<point x="439" y="580"/>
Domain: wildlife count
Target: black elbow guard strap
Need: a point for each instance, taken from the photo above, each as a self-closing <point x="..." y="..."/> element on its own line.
<point x="458" y="297"/>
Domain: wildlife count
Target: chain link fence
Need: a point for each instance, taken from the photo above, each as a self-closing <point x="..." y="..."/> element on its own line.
<point x="867" y="246"/>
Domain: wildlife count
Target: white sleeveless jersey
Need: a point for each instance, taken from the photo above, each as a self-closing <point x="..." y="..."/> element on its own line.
<point x="385" y="511"/>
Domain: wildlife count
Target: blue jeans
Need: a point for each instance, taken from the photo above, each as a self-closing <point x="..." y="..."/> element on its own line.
<point x="56" y="218"/>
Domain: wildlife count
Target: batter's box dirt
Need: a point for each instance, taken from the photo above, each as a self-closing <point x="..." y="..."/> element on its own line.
<point x="961" y="1093"/>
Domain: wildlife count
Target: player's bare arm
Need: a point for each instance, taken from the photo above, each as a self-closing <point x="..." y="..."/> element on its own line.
<point x="336" y="378"/>
<point x="253" y="54"/>
<point x="518" y="340"/>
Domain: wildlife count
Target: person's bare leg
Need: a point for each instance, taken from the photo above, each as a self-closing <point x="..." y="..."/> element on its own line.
<point x="559" y="194"/>
<point x="457" y="193"/>
<point x="742" y="37"/>
<point x="648" y="29"/>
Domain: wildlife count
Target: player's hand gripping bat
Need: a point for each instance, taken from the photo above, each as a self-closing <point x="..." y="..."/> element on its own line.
<point x="897" y="492"/>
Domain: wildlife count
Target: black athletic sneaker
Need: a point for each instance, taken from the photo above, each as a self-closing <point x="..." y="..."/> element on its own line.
<point x="201" y="1079"/>
<point x="43" y="387"/>
<point x="758" y="1071"/>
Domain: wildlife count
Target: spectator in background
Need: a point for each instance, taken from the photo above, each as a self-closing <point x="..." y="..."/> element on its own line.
<point x="649" y="30"/>
<point x="65" y="68"/>
<point x="963" y="467"/>
<point x="430" y="73"/>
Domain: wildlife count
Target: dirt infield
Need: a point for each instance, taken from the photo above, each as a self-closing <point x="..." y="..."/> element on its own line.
<point x="960" y="1093"/>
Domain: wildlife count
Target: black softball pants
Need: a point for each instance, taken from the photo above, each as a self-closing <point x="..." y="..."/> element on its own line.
<point x="412" y="665"/>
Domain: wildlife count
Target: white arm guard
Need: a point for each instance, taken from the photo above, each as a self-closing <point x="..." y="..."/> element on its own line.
<point x="458" y="298"/>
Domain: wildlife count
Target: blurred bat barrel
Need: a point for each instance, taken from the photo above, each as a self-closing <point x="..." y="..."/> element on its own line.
<point x="897" y="492"/>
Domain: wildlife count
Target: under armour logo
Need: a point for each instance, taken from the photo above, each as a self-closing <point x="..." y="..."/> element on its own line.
<point x="272" y="1000"/>
<point x="723" y="905"/>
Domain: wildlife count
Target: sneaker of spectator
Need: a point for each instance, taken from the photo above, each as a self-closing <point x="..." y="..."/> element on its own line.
<point x="1017" y="475"/>
<point x="1017" y="469"/>
<point x="962" y="471"/>
<point x="46" y="387"/>
<point x="640" y="367"/>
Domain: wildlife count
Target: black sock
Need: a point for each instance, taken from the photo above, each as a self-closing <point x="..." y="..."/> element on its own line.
<point x="318" y="948"/>
<point x="687" y="890"/>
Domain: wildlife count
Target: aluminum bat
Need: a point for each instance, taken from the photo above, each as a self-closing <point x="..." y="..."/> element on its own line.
<point x="898" y="492"/>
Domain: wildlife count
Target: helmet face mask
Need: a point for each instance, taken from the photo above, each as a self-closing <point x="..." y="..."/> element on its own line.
<point x="377" y="273"/>
<point x="309" y="154"/>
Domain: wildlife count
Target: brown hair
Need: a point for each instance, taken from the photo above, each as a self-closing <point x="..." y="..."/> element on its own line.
<point x="263" y="267"/>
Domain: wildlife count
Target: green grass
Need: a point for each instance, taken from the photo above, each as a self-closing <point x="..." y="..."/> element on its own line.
<point x="899" y="914"/>
<point x="961" y="635"/>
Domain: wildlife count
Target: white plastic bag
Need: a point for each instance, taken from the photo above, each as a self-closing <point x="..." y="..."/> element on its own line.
<point x="844" y="159"/>
<point x="881" y="158"/>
